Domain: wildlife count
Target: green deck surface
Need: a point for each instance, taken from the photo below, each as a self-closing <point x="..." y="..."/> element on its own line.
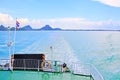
<point x="35" y="75"/>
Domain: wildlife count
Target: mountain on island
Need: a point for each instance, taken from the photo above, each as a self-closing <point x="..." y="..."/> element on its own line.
<point x="48" y="27"/>
<point x="2" y="28"/>
<point x="29" y="28"/>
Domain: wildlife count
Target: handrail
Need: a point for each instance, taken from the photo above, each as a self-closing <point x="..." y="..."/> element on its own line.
<point x="86" y="69"/>
<point x="80" y="68"/>
<point x="4" y="64"/>
<point x="95" y="73"/>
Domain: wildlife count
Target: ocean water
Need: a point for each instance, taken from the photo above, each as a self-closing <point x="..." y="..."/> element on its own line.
<point x="100" y="48"/>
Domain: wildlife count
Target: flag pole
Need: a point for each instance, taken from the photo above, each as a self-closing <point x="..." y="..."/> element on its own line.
<point x="14" y="37"/>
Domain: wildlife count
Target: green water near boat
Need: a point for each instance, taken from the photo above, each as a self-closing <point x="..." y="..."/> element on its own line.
<point x="37" y="75"/>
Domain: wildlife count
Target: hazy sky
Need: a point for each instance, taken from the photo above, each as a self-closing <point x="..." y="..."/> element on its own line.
<point x="66" y="14"/>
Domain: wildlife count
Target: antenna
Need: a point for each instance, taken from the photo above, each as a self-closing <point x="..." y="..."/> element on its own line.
<point x="51" y="48"/>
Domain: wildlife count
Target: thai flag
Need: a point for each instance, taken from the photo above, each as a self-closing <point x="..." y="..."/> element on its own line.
<point x="17" y="24"/>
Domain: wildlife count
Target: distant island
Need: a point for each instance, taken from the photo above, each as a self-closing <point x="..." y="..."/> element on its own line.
<point x="28" y="28"/>
<point x="48" y="28"/>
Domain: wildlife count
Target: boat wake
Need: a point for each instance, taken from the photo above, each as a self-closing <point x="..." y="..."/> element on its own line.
<point x="61" y="50"/>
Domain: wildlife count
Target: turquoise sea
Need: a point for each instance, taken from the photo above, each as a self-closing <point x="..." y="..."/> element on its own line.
<point x="100" y="48"/>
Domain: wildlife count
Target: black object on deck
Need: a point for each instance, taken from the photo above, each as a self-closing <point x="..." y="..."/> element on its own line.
<point x="27" y="61"/>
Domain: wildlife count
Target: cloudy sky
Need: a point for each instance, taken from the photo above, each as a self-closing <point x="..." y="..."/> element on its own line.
<point x="66" y="14"/>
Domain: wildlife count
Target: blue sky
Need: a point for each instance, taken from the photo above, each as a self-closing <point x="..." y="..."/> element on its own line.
<point x="67" y="14"/>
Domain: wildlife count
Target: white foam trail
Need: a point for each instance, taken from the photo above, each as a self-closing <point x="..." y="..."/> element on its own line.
<point x="33" y="48"/>
<point x="62" y="51"/>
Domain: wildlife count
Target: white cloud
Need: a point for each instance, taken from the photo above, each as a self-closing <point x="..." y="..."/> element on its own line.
<point x="23" y="21"/>
<point x="64" y="23"/>
<point x="114" y="3"/>
<point x="67" y="20"/>
<point x="6" y="20"/>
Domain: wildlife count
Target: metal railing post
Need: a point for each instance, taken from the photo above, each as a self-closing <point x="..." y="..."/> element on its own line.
<point x="24" y="64"/>
<point x="38" y="65"/>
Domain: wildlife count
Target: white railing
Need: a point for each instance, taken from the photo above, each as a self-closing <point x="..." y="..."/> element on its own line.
<point x="31" y="64"/>
<point x="95" y="73"/>
<point x="78" y="68"/>
<point x="4" y="64"/>
<point x="86" y="69"/>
